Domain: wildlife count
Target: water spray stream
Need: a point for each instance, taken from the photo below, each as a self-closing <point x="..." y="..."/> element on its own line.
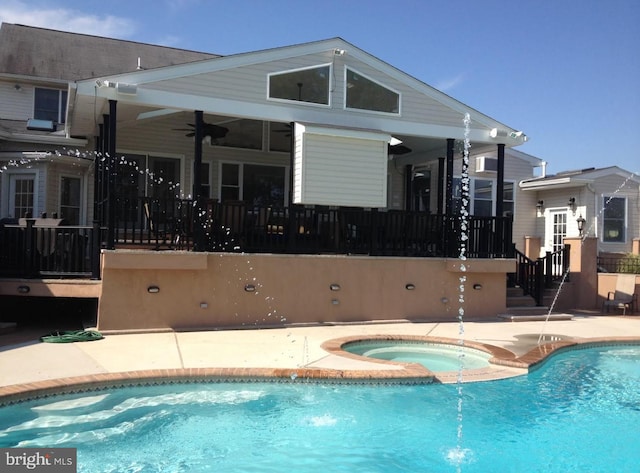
<point x="457" y="456"/>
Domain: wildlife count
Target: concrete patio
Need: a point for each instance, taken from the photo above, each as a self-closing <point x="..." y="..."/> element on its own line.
<point x="26" y="364"/>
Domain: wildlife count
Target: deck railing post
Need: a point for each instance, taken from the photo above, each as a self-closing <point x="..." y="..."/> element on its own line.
<point x="29" y="250"/>
<point x="94" y="257"/>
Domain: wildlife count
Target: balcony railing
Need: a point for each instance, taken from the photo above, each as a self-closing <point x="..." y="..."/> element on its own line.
<point x="236" y="226"/>
<point x="41" y="248"/>
<point x="35" y="248"/>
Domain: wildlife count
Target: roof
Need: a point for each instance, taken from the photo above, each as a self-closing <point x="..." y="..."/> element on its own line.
<point x="51" y="54"/>
<point x="576" y="177"/>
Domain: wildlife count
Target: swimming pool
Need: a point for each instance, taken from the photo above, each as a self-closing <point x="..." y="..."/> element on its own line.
<point x="579" y="411"/>
<point x="437" y="357"/>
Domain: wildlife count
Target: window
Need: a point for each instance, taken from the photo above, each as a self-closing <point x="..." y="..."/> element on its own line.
<point x="164" y="175"/>
<point x="205" y="180"/>
<point x="302" y="85"/>
<point x="365" y="94"/>
<point x="482" y="197"/>
<point x="243" y="133"/>
<point x="255" y="184"/>
<point x="280" y="136"/>
<point x="22" y="195"/>
<point x="614" y="222"/>
<point x="50" y="104"/>
<point x="70" y="195"/>
<point x="508" y="201"/>
<point x="230" y="182"/>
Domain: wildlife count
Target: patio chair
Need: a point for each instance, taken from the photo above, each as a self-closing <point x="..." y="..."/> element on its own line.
<point x="624" y="296"/>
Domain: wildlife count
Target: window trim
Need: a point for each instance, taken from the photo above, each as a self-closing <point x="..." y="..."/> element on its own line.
<point x="330" y="86"/>
<point x="81" y="204"/>
<point x="494" y="191"/>
<point x="182" y="189"/>
<point x="625" y="219"/>
<point x="384" y="86"/>
<point x="287" y="185"/>
<point x="62" y="105"/>
<point x="8" y="199"/>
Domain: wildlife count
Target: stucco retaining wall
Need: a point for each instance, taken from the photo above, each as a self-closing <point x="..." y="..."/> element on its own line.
<point x="208" y="290"/>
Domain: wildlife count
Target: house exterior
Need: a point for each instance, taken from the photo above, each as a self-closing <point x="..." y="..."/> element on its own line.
<point x="322" y="147"/>
<point x="606" y="201"/>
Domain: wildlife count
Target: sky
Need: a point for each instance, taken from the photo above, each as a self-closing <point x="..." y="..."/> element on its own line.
<point x="566" y="72"/>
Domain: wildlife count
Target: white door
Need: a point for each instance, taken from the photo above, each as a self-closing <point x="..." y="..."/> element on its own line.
<point x="555" y="233"/>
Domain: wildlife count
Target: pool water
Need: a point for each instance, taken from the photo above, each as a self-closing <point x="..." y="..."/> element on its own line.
<point x="579" y="412"/>
<point x="434" y="356"/>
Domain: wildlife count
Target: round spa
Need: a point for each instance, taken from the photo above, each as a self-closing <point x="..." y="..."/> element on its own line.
<point x="436" y="357"/>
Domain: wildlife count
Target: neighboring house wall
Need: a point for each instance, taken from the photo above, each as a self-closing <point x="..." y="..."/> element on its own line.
<point x="617" y="186"/>
<point x="591" y="191"/>
<point x="16" y="104"/>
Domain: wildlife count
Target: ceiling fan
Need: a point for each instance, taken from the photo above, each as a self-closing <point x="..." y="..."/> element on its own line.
<point x="211" y="130"/>
<point x="398" y="150"/>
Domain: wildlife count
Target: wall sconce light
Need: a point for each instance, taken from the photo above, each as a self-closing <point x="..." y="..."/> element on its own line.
<point x="581" y="221"/>
<point x="477" y="287"/>
<point x="335" y="302"/>
<point x="24" y="289"/>
<point x="540" y="207"/>
<point x="153" y="289"/>
<point x="409" y="287"/>
<point x="250" y="288"/>
<point x="334" y="287"/>
<point x="18" y="87"/>
<point x="572" y="205"/>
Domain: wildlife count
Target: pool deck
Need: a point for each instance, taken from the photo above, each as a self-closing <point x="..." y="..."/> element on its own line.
<point x="30" y="368"/>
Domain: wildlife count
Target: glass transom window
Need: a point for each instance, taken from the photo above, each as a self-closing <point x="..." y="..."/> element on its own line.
<point x="365" y="94"/>
<point x="303" y="85"/>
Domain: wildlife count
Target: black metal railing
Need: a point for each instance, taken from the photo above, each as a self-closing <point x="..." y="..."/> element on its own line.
<point x="534" y="276"/>
<point x="236" y="226"/>
<point x="629" y="264"/>
<point x="36" y="248"/>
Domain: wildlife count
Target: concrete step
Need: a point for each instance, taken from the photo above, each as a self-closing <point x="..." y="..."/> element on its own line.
<point x="532" y="310"/>
<point x="530" y="317"/>
<point x="520" y="301"/>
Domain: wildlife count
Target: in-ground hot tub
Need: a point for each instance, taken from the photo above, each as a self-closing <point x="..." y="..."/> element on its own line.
<point x="436" y="357"/>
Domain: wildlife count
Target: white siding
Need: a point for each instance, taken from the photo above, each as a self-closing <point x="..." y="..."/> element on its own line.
<point x="16" y="104"/>
<point x="339" y="170"/>
<point x="249" y="84"/>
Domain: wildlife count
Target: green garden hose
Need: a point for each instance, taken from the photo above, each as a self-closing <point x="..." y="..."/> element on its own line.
<point x="71" y="336"/>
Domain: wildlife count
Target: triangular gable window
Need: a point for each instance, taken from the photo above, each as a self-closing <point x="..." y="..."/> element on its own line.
<point x="309" y="85"/>
<point x="366" y="94"/>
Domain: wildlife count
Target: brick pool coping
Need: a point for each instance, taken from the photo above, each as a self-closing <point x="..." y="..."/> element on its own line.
<point x="395" y="372"/>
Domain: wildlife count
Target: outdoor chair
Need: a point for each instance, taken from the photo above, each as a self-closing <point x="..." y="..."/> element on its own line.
<point x="624" y="296"/>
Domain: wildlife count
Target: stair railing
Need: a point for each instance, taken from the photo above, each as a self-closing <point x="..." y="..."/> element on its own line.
<point x="533" y="276"/>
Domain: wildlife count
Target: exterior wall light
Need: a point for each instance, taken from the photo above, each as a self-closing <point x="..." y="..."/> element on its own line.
<point x="334" y="287"/>
<point x="409" y="287"/>
<point x="581" y="221"/>
<point x="335" y="301"/>
<point x="477" y="287"/>
<point x="153" y="289"/>
<point x="24" y="289"/>
<point x="572" y="205"/>
<point x="540" y="207"/>
<point x="250" y="288"/>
